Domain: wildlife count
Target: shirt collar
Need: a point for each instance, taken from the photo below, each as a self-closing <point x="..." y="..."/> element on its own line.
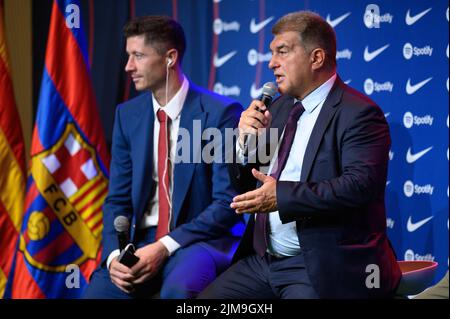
<point x="173" y="108"/>
<point x="313" y="99"/>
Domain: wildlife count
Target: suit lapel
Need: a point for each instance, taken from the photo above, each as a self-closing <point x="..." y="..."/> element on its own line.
<point x="143" y="154"/>
<point x="183" y="172"/>
<point x="326" y="114"/>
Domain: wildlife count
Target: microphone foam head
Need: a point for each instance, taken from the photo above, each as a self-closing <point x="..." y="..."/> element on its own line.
<point x="121" y="224"/>
<point x="270" y="89"/>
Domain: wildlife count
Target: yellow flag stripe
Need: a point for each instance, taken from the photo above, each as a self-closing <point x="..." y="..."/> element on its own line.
<point x="98" y="230"/>
<point x="12" y="184"/>
<point x="92" y="208"/>
<point x="2" y="283"/>
<point x="86" y="188"/>
<point x="89" y="197"/>
<point x="93" y="221"/>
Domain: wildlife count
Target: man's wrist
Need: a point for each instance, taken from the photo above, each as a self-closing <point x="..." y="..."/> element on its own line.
<point x="112" y="255"/>
<point x="163" y="249"/>
<point x="169" y="244"/>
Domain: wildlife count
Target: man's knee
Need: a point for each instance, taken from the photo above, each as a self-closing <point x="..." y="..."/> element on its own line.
<point x="179" y="283"/>
<point x="186" y="287"/>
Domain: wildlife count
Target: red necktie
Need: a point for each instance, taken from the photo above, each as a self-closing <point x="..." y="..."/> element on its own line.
<point x="164" y="171"/>
<point x="260" y="234"/>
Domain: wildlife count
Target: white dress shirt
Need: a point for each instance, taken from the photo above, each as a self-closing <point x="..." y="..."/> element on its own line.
<point x="283" y="239"/>
<point x="151" y="215"/>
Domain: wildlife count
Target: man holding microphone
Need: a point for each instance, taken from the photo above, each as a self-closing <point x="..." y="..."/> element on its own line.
<point x="317" y="227"/>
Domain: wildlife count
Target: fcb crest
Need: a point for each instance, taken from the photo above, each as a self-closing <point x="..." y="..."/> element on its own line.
<point x="64" y="222"/>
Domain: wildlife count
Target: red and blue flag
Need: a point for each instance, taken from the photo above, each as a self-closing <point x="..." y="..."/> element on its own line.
<point x="60" y="239"/>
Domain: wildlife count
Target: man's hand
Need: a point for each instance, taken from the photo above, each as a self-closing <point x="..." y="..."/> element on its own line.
<point x="151" y="258"/>
<point x="261" y="200"/>
<point x="255" y="118"/>
<point x="121" y="276"/>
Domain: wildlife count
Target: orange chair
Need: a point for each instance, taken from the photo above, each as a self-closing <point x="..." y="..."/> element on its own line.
<point x="416" y="277"/>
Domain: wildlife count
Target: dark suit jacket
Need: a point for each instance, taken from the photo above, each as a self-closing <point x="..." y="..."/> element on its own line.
<point x="202" y="192"/>
<point x="338" y="205"/>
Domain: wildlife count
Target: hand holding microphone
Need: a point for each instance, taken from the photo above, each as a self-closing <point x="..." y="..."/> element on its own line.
<point x="119" y="270"/>
<point x="127" y="256"/>
<point x="122" y="227"/>
<point x="257" y="116"/>
<point x="141" y="264"/>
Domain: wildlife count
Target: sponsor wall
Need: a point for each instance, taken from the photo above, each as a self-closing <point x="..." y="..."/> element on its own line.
<point x="394" y="52"/>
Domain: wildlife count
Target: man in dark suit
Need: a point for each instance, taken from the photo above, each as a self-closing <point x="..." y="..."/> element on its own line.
<point x="177" y="202"/>
<point x="318" y="224"/>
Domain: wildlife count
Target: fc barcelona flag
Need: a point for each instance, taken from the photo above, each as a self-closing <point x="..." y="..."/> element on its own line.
<point x="60" y="239"/>
<point x="12" y="165"/>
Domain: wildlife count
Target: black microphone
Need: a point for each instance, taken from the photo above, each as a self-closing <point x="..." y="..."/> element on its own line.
<point x="122" y="226"/>
<point x="268" y="92"/>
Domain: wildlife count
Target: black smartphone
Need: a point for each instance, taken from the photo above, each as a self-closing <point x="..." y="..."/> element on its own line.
<point x="127" y="256"/>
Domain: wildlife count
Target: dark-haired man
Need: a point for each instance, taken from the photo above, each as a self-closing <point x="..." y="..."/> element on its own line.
<point x="319" y="224"/>
<point x="181" y="222"/>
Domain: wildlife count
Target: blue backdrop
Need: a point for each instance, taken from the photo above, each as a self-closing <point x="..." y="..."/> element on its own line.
<point x="396" y="52"/>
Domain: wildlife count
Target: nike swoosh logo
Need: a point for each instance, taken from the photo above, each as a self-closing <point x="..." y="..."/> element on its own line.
<point x="411" y="20"/>
<point x="338" y="20"/>
<point x="414" y="226"/>
<point x="387" y="114"/>
<point x="256" y="27"/>
<point x="254" y="92"/>
<point x="411" y="89"/>
<point x="369" y="56"/>
<point x="411" y="158"/>
<point x="348" y="81"/>
<point x="218" y="62"/>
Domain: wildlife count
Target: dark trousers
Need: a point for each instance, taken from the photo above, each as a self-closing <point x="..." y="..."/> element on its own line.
<point x="185" y="274"/>
<point x="267" y="277"/>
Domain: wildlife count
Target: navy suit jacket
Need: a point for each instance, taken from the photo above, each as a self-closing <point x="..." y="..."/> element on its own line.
<point x="338" y="205"/>
<point x="202" y="192"/>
